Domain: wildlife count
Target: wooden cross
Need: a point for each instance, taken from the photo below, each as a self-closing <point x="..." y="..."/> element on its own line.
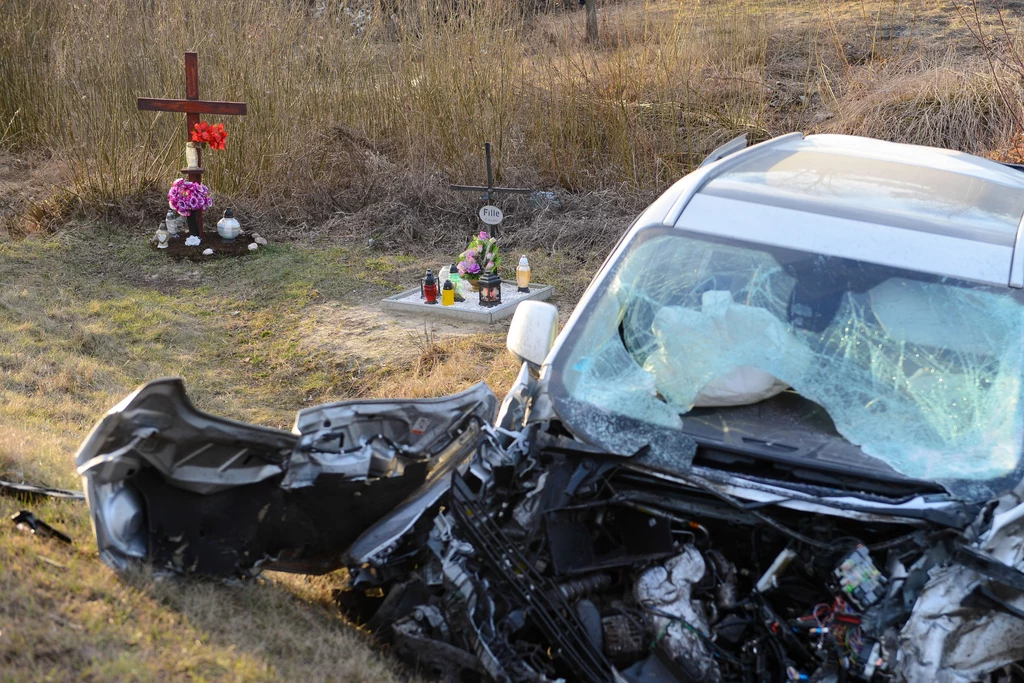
<point x="192" y="107"/>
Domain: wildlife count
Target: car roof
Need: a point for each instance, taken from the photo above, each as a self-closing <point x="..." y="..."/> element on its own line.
<point x="921" y="208"/>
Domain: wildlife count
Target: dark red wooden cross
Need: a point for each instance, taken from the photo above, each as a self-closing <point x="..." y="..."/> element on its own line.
<point x="192" y="107"/>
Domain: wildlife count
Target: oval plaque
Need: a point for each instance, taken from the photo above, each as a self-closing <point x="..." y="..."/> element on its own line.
<point x="491" y="215"/>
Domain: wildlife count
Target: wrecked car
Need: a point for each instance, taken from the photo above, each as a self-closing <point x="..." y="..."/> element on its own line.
<point x="779" y="439"/>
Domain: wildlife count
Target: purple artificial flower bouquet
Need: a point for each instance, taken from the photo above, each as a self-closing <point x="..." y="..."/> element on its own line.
<point x="186" y="197"/>
<point x="480" y="257"/>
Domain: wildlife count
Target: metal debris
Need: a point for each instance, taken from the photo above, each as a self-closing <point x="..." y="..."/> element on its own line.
<point x="28" y="522"/>
<point x="30" y="491"/>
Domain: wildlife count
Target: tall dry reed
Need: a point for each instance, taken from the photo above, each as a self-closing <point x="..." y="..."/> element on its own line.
<point x="333" y="89"/>
<point x="424" y="86"/>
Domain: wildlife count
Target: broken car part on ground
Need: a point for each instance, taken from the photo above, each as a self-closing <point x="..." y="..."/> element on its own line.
<point x="779" y="439"/>
<point x="25" y="520"/>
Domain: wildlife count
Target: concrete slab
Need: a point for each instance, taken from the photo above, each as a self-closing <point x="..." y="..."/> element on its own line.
<point x="470" y="310"/>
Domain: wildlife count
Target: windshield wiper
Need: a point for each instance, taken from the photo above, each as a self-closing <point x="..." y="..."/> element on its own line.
<point x="792" y="438"/>
<point x="772" y="467"/>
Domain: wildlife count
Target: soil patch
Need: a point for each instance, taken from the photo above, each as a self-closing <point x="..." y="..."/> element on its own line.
<point x="375" y="337"/>
<point x="179" y="251"/>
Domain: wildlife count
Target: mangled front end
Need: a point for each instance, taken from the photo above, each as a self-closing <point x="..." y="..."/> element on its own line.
<point x="482" y="553"/>
<point x="190" y="492"/>
<point x="551" y="562"/>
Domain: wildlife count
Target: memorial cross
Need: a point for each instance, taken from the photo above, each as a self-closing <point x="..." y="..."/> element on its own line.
<point x="490" y="190"/>
<point x="192" y="107"/>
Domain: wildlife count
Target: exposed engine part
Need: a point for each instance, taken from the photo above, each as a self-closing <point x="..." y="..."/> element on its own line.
<point x="692" y="616"/>
<point x="679" y="622"/>
<point x="414" y="641"/>
<point x="633" y="537"/>
<point x="623" y="638"/>
<point x="381" y="454"/>
<point x="577" y="588"/>
<point x="725" y="571"/>
<point x="590" y="617"/>
<point x="736" y="601"/>
<point x="859" y="579"/>
<point x="515" y="579"/>
<point x="770" y="579"/>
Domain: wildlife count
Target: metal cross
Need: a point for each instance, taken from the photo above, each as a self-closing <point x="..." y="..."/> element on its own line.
<point x="490" y="191"/>
<point x="192" y="107"/>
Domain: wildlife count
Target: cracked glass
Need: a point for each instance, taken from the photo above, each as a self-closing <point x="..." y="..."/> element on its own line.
<point x="919" y="371"/>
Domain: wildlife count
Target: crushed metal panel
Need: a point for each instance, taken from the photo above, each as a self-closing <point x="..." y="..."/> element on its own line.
<point x="190" y="492"/>
<point x="231" y="532"/>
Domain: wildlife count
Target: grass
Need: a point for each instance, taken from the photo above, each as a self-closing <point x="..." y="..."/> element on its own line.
<point x="348" y="103"/>
<point x="84" y="318"/>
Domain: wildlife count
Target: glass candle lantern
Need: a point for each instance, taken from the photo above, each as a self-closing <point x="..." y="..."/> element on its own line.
<point x="171" y="221"/>
<point x="192" y="155"/>
<point x="456" y="280"/>
<point x="523" y="274"/>
<point x="448" y="293"/>
<point x="490" y="289"/>
<point x="430" y="287"/>
<point x="228" y="227"/>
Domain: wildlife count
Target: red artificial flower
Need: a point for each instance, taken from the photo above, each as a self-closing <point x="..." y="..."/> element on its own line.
<point x="214" y="135"/>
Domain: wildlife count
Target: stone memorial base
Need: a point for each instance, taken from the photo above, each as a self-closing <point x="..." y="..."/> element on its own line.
<point x="470" y="310"/>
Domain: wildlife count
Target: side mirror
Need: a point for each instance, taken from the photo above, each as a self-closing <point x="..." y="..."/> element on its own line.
<point x="532" y="332"/>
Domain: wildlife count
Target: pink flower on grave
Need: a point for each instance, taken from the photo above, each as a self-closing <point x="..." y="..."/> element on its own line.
<point x="480" y="255"/>
<point x="186" y="197"/>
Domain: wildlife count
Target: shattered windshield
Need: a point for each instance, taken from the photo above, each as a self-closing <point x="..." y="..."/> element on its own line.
<point x="922" y="372"/>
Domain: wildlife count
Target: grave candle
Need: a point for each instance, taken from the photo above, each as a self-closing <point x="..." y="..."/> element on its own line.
<point x="430" y="287"/>
<point x="171" y="221"/>
<point x="448" y="294"/>
<point x="192" y="156"/>
<point x="456" y="280"/>
<point x="490" y="289"/>
<point x="523" y="274"/>
<point x="228" y="227"/>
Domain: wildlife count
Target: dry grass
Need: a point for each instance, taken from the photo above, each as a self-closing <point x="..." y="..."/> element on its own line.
<point x="935" y="106"/>
<point x="65" y="616"/>
<point x="85" y="319"/>
<point x="347" y="110"/>
<point x="444" y="366"/>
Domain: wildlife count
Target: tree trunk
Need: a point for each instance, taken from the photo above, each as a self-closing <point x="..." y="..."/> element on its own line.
<point x="591" y="20"/>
